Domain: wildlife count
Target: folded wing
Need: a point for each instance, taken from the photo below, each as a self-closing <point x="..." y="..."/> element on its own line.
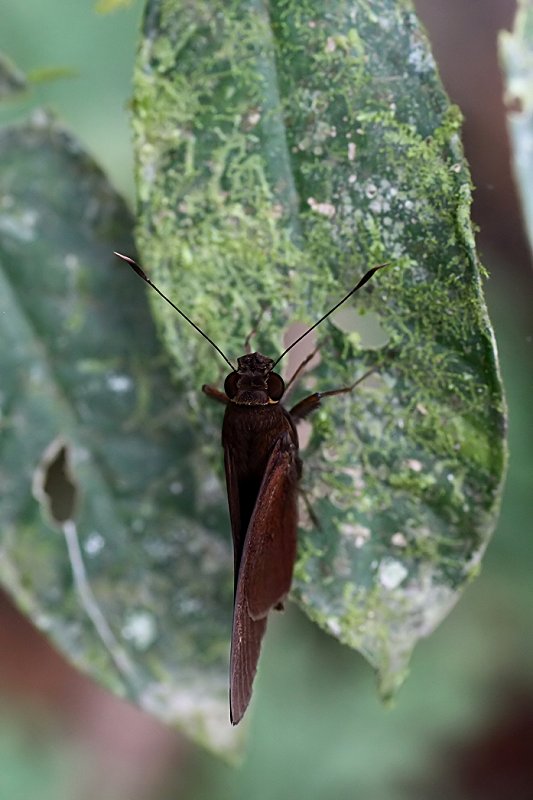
<point x="265" y="569"/>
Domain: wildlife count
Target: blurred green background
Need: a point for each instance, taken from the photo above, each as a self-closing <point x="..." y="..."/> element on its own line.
<point x="462" y="727"/>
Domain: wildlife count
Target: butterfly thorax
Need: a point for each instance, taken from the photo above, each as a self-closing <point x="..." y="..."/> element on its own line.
<point x="250" y="431"/>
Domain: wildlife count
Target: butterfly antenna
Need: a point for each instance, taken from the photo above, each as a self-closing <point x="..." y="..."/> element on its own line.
<point x="142" y="274"/>
<point x="366" y="277"/>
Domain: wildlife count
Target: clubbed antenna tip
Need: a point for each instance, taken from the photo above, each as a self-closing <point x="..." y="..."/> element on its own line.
<point x="142" y="274"/>
<point x="133" y="264"/>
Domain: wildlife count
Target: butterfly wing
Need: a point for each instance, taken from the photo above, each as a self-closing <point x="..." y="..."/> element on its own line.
<point x="266" y="566"/>
<point x="237" y="532"/>
<point x="270" y="546"/>
<point x="246" y="638"/>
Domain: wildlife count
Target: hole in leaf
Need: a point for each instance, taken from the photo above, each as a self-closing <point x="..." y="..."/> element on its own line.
<point x="54" y="486"/>
<point x="301" y="351"/>
<point x="305" y="429"/>
<point x="372" y="336"/>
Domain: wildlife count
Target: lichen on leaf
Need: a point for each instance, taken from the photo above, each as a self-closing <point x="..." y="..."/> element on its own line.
<point x="282" y="150"/>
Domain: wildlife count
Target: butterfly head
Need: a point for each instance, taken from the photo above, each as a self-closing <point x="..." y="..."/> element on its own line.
<point x="254" y="383"/>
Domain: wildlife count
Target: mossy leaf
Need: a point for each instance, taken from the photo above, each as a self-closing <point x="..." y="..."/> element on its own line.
<point x="113" y="532"/>
<point x="282" y="149"/>
<point x="279" y="155"/>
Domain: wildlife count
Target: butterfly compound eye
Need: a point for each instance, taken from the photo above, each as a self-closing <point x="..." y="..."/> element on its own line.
<point x="275" y="386"/>
<point x="230" y="384"/>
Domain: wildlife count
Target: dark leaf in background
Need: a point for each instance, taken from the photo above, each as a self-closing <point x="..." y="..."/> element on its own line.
<point x="138" y="589"/>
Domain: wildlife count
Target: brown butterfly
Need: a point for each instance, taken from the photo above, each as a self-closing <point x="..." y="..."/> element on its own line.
<point x="263" y="470"/>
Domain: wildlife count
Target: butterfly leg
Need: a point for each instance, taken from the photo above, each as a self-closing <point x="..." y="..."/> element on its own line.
<point x="312" y="401"/>
<point x="310" y="510"/>
<point x="215" y="394"/>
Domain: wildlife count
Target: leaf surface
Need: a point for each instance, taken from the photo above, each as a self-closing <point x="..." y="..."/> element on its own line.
<point x="282" y="149"/>
<point x="136" y="589"/>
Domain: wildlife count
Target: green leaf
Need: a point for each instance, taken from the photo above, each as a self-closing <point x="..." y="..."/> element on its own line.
<point x="109" y="6"/>
<point x="282" y="149"/>
<point x="12" y="80"/>
<point x="135" y="584"/>
<point x="516" y="50"/>
<point x="278" y="157"/>
<point x="50" y="74"/>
